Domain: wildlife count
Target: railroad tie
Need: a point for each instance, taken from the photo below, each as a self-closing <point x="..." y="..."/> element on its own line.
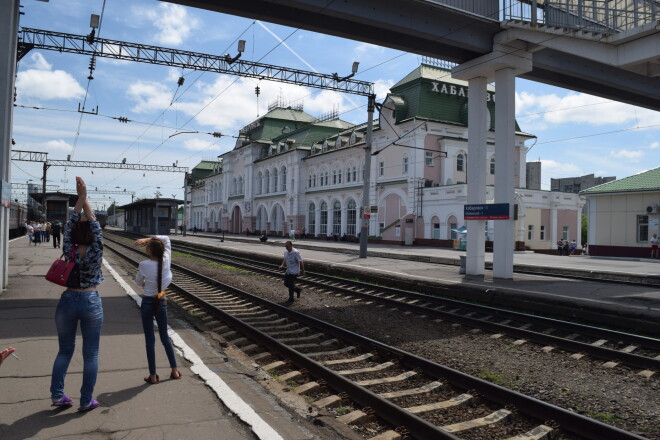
<point x="541" y="432"/>
<point x="412" y="391"/>
<point x="497" y="416"/>
<point x="362" y="357"/>
<point x="353" y="418"/>
<point x="454" y="401"/>
<point x="399" y="378"/>
<point x="375" y="368"/>
<point x="331" y="353"/>
<point x="307" y="387"/>
<point x="387" y="435"/>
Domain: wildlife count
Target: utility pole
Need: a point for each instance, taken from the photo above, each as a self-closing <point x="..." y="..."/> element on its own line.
<point x="366" y="205"/>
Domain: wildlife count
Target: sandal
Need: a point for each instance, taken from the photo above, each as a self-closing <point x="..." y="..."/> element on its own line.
<point x="177" y="376"/>
<point x="63" y="401"/>
<point x="151" y="380"/>
<point x="92" y="404"/>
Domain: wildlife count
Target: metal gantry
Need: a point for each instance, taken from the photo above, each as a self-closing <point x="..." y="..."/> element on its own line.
<point x="122" y="50"/>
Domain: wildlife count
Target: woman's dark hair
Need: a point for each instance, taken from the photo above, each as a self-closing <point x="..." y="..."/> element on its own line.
<point x="157" y="250"/>
<point x="81" y="233"/>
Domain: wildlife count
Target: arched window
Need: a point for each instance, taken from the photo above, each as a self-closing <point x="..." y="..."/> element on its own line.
<point x="260" y="181"/>
<point x="327" y="178"/>
<point x="311" y="219"/>
<point x="334" y="177"/>
<point x="324" y="219"/>
<point x="460" y="162"/>
<point x="309" y="181"/>
<point x="492" y="165"/>
<point x="352" y="139"/>
<point x="325" y="146"/>
<point x="336" y="218"/>
<point x="234" y="186"/>
<point x="338" y="142"/>
<point x="283" y="178"/>
<point x="339" y="176"/>
<point x="267" y="182"/>
<point x="314" y="181"/>
<point x="351" y="218"/>
<point x="275" y="180"/>
<point x="348" y="174"/>
<point x="240" y="185"/>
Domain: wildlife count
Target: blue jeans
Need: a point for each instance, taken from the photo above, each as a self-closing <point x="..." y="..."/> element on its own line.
<point x="146" y="311"/>
<point x="87" y="308"/>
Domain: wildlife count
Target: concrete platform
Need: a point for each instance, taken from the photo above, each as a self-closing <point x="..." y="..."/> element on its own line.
<point x="436" y="270"/>
<point x="215" y="399"/>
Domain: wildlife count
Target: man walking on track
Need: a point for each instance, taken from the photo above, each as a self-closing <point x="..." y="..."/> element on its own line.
<point x="293" y="263"/>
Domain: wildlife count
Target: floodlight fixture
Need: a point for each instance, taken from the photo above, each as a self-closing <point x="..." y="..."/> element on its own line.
<point x="354" y="69"/>
<point x="94" y="20"/>
<point x="241" y="48"/>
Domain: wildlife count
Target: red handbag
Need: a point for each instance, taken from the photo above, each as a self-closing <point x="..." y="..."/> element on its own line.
<point x="60" y="271"/>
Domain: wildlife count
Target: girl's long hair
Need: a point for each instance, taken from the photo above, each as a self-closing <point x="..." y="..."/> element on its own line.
<point x="157" y="250"/>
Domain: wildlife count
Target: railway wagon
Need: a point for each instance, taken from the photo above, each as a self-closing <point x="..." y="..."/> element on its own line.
<point x="17" y="218"/>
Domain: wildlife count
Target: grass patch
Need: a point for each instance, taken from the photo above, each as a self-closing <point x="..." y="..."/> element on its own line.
<point x="604" y="417"/>
<point x="491" y="376"/>
<point x="341" y="410"/>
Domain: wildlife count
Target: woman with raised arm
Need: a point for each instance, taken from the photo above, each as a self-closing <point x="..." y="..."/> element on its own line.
<point x="81" y="303"/>
<point x="155" y="275"/>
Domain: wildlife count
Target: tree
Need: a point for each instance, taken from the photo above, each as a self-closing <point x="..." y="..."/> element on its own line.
<point x="585" y="224"/>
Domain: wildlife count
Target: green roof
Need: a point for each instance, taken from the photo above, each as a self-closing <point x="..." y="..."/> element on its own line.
<point x="646" y="181"/>
<point x="275" y="123"/>
<point x="203" y="169"/>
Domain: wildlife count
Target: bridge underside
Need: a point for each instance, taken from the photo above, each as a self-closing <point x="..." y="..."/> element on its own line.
<point x="438" y="31"/>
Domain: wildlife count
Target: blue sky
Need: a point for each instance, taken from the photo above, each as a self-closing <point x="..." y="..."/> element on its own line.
<point x="577" y="133"/>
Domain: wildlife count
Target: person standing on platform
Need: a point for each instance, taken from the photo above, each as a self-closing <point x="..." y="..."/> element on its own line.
<point x="654" y="246"/>
<point x="573" y="247"/>
<point x="37" y="233"/>
<point x="155" y="275"/>
<point x="83" y="239"/>
<point x="30" y="233"/>
<point x="56" y="230"/>
<point x="48" y="228"/>
<point x="293" y="262"/>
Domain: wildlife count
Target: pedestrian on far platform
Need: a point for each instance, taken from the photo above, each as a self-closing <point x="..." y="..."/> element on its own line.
<point x="293" y="263"/>
<point x="56" y="231"/>
<point x="654" y="246"/>
<point x="573" y="247"/>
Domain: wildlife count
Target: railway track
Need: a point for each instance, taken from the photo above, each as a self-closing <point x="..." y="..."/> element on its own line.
<point x="333" y="366"/>
<point x="613" y="347"/>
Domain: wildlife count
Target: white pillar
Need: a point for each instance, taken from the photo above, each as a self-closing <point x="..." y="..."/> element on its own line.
<point x="8" y="36"/>
<point x="505" y="82"/>
<point x="476" y="175"/>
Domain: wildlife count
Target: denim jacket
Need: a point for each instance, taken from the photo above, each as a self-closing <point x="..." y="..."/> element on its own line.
<point x="90" y="264"/>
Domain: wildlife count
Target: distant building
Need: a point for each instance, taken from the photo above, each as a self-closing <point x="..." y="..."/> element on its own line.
<point x="577" y="184"/>
<point x="533" y="175"/>
<point x="290" y="170"/>
<point x="623" y="215"/>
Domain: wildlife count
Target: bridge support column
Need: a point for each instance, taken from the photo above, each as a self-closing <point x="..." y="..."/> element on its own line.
<point x="501" y="66"/>
<point x="8" y="36"/>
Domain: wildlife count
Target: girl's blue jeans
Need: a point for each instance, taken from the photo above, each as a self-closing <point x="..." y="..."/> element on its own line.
<point x="146" y="311"/>
<point x="86" y="308"/>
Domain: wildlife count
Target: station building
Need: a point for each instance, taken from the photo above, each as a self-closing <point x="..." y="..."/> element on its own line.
<point x="289" y="170"/>
<point x="624" y="215"/>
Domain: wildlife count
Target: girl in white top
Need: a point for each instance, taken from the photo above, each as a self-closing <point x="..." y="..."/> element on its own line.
<point x="155" y="275"/>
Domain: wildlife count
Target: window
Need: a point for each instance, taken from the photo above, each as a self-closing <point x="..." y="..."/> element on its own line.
<point x="429" y="158"/>
<point x="336" y="218"/>
<point x="283" y="178"/>
<point x="348" y="174"/>
<point x="324" y="219"/>
<point x="492" y="165"/>
<point x="530" y="232"/>
<point x="381" y="168"/>
<point x="327" y="178"/>
<point x="267" y="182"/>
<point x="436" y="231"/>
<point x="643" y="228"/>
<point x="405" y="165"/>
<point x="355" y="174"/>
<point x="334" y="177"/>
<point x="541" y="232"/>
<point x="275" y="182"/>
<point x="314" y="181"/>
<point x="460" y="162"/>
<point x="351" y="218"/>
<point x="564" y="233"/>
<point x="453" y="234"/>
<point x="311" y="219"/>
<point x="309" y="181"/>
<point x="338" y="176"/>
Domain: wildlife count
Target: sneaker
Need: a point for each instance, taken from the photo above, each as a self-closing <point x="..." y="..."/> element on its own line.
<point x="93" y="404"/>
<point x="298" y="290"/>
<point x="63" y="401"/>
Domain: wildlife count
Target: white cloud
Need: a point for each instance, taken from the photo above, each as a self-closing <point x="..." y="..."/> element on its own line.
<point x="38" y="62"/>
<point x="199" y="144"/>
<point x="382" y="87"/>
<point x="368" y="49"/>
<point x="172" y="21"/>
<point x="43" y="83"/>
<point x="580" y="108"/>
<point x="631" y="156"/>
<point x="654" y="145"/>
<point x="150" y="96"/>
<point x="57" y="145"/>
